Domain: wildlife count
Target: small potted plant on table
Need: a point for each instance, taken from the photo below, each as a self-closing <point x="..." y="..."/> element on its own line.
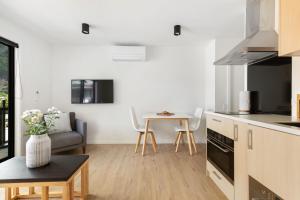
<point x="38" y="147"/>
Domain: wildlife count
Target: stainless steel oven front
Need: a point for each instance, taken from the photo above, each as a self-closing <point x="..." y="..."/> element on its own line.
<point x="220" y="153"/>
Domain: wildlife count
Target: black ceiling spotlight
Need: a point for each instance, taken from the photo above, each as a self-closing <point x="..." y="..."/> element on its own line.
<point x="85" y="28"/>
<point x="177" y="30"/>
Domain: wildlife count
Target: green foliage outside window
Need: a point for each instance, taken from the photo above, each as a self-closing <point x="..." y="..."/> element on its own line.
<point x="4" y="74"/>
<point x="4" y="96"/>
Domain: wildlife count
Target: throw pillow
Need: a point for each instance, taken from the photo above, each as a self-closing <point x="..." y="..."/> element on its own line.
<point x="61" y="125"/>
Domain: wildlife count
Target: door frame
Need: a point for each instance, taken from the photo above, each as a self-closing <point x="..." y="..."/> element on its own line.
<point x="11" y="97"/>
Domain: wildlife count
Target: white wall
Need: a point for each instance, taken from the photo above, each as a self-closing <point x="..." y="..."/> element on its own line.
<point x="35" y="63"/>
<point x="295" y="84"/>
<point x="173" y="78"/>
<point x="210" y="75"/>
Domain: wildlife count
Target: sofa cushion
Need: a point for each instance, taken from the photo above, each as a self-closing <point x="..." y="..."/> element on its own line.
<point x="61" y="140"/>
<point x="60" y="124"/>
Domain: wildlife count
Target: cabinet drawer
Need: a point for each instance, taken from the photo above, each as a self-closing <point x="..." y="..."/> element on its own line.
<point x="225" y="186"/>
<point x="221" y="125"/>
<point x="268" y="156"/>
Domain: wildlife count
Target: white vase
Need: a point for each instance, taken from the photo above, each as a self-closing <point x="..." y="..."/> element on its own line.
<point x="38" y="151"/>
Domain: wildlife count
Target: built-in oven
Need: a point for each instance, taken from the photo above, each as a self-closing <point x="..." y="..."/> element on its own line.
<point x="220" y="153"/>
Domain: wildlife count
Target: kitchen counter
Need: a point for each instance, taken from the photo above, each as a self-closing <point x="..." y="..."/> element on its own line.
<point x="264" y="120"/>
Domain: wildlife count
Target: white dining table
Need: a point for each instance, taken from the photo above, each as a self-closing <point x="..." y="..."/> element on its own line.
<point x="178" y="116"/>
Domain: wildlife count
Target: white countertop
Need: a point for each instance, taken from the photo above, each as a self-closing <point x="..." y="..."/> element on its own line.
<point x="264" y="120"/>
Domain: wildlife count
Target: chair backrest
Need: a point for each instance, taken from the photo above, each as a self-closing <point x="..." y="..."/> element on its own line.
<point x="198" y="115"/>
<point x="133" y="119"/>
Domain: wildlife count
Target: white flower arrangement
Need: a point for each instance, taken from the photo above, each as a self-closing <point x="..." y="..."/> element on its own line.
<point x="34" y="120"/>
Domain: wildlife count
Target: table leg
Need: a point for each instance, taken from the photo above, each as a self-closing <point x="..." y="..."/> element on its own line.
<point x="84" y="181"/>
<point x="154" y="145"/>
<point x="7" y="193"/>
<point x="180" y="125"/>
<point x="188" y="135"/>
<point x="154" y="140"/>
<point x="45" y="193"/>
<point x="178" y="140"/>
<point x="16" y="191"/>
<point x="72" y="189"/>
<point x="31" y="190"/>
<point x="87" y="181"/>
<point x="145" y="137"/>
<point x="66" y="192"/>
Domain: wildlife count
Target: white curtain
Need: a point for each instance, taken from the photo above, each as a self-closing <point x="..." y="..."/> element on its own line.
<point x="18" y="81"/>
<point x="19" y="139"/>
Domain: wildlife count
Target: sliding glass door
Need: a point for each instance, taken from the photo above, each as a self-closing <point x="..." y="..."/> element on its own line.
<point x="7" y="59"/>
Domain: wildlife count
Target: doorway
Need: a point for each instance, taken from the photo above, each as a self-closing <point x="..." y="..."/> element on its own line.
<point x="7" y="99"/>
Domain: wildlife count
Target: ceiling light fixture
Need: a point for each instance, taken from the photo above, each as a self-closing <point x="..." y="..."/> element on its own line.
<point x="85" y="28"/>
<point x="177" y="30"/>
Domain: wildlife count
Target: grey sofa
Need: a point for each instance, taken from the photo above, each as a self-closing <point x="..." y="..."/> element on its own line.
<point x="70" y="140"/>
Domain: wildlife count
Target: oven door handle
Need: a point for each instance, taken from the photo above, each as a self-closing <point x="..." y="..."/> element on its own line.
<point x="222" y="149"/>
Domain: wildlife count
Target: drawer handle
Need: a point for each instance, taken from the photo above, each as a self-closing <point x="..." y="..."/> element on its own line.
<point x="250" y="140"/>
<point x="216" y="120"/>
<point x="235" y="133"/>
<point x="215" y="173"/>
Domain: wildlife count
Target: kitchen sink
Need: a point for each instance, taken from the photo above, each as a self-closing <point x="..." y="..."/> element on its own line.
<point x="294" y="124"/>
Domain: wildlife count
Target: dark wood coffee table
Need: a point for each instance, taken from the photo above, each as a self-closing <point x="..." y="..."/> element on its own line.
<point x="61" y="172"/>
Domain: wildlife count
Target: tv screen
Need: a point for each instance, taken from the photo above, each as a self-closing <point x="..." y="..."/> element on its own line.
<point x="92" y="91"/>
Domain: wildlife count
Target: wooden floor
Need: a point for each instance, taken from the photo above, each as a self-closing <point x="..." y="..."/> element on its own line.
<point x="117" y="173"/>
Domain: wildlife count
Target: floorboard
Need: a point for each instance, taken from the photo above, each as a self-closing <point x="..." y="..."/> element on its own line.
<point x="117" y="173"/>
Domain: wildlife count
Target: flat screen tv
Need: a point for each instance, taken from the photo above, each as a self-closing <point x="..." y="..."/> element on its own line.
<point x="92" y="91"/>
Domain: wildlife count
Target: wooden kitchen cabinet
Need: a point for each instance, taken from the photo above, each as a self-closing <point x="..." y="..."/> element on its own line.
<point x="221" y="125"/>
<point x="255" y="157"/>
<point x="241" y="181"/>
<point x="289" y="28"/>
<point x="293" y="166"/>
<point x="267" y="158"/>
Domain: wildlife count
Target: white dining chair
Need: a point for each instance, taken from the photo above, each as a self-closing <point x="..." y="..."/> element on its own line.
<point x="194" y="126"/>
<point x="141" y="131"/>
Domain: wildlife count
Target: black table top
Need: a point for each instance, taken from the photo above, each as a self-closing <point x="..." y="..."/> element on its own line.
<point x="60" y="168"/>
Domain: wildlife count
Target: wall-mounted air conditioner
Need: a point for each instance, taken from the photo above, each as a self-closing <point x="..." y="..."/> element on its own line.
<point x="128" y="53"/>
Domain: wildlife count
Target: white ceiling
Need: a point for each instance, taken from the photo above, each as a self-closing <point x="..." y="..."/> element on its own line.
<point x="148" y="22"/>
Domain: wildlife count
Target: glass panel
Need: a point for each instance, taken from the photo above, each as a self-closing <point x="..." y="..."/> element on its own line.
<point x="4" y="67"/>
<point x="88" y="96"/>
<point x="76" y="91"/>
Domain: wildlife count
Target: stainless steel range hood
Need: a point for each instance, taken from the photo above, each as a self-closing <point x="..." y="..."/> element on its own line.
<point x="261" y="41"/>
